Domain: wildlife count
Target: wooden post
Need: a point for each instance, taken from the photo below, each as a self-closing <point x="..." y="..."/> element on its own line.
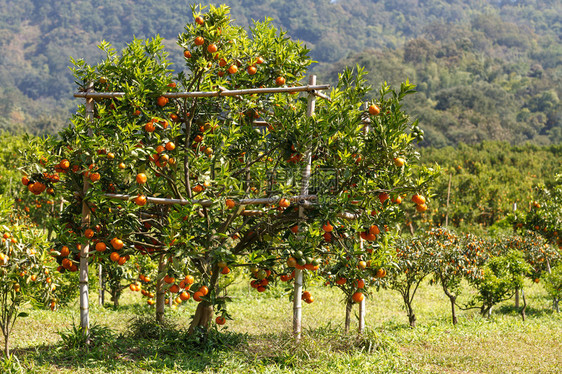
<point x="448" y="197"/>
<point x="362" y="308"/>
<point x="297" y="301"/>
<point x="84" y="251"/>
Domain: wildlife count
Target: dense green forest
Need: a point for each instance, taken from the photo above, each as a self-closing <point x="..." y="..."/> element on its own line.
<point x="484" y="69"/>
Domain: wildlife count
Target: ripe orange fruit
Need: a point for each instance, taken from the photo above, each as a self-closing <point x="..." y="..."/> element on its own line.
<point x="121" y="165"/>
<point x="122" y="260"/>
<point x="94" y="177"/>
<point x="189" y="279"/>
<point x="362" y="265"/>
<point x="185" y="296"/>
<point x="291" y="262"/>
<point x="374" y="229"/>
<point x="141" y="178"/>
<point x="199" y="20"/>
<point x="259" y="60"/>
<point x="383" y="196"/>
<point x="341" y="281"/>
<point x="220" y="320"/>
<point x="225" y="270"/>
<point x="284" y="203"/>
<point x="328" y="227"/>
<point x="233" y="69"/>
<point x="117" y="243"/>
<point x="374" y="110"/>
<point x="204" y="290"/>
<point x="89" y="233"/>
<point x="65" y="251"/>
<point x="25" y="181"/>
<point x="169" y="279"/>
<point x="381" y="273"/>
<point x="186" y="54"/>
<point x="114" y="256"/>
<point x="170" y="146"/>
<point x="399" y="161"/>
<point x="295" y="229"/>
<point x="111" y="156"/>
<point x="418" y="199"/>
<point x="212" y="48"/>
<point x="357" y="297"/>
<point x="149" y="127"/>
<point x="360" y="283"/>
<point x="100" y="246"/>
<point x="197" y="296"/>
<point x="280" y="81"/>
<point x="199" y="40"/>
<point x="230" y="204"/>
<point x="252" y="70"/>
<point x="140" y="200"/>
<point x="162" y="100"/>
<point x="421" y="208"/>
<point x="64" y="164"/>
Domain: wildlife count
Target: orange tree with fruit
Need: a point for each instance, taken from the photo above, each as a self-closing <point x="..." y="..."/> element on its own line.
<point x="454" y="258"/>
<point x="24" y="274"/>
<point x="203" y="171"/>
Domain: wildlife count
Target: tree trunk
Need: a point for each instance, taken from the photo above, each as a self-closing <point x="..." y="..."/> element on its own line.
<point x="6" y="345"/>
<point x="202" y="319"/>
<point x="160" y="294"/>
<point x="411" y="314"/>
<point x="555" y="305"/>
<point x="517" y="297"/>
<point x="486" y="311"/>
<point x="524" y="305"/>
<point x="115" y="293"/>
<point x="453" y="311"/>
<point x="348" y="309"/>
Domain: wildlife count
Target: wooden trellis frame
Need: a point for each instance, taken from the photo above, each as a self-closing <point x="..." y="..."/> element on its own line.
<point x="312" y="89"/>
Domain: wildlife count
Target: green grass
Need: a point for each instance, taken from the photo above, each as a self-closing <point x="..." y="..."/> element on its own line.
<point x="259" y="340"/>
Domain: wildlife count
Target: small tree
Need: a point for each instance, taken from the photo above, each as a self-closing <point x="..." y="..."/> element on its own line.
<point x="412" y="264"/>
<point x="22" y="273"/>
<point x="453" y="259"/>
<point x="501" y="276"/>
<point x="553" y="285"/>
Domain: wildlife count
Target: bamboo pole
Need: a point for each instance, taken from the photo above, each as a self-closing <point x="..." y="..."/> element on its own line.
<point x="297" y="300"/>
<point x="362" y="307"/>
<point x="448" y="197"/>
<point x="208" y="203"/>
<point x="84" y="251"/>
<point x="173" y="95"/>
<point x="101" y="296"/>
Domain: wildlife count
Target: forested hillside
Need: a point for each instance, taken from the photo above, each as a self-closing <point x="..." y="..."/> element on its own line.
<point x="485" y="69"/>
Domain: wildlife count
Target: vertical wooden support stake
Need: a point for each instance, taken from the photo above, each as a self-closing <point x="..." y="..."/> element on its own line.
<point x="101" y="295"/>
<point x="517" y="289"/>
<point x="362" y="309"/>
<point x="448" y="197"/>
<point x="297" y="301"/>
<point x="84" y="251"/>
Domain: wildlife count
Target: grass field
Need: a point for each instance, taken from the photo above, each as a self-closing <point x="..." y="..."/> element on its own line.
<point x="259" y="338"/>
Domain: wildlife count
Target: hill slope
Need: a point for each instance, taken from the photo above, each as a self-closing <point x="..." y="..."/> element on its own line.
<point x="443" y="46"/>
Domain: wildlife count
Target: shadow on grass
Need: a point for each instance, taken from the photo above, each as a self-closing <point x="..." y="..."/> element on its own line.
<point x="152" y="347"/>
<point x="529" y="312"/>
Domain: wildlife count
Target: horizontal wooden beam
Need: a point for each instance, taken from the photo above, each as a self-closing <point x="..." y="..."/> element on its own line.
<point x="160" y="200"/>
<point x="173" y="95"/>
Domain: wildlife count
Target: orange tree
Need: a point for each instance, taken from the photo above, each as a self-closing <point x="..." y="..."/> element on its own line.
<point x="24" y="275"/>
<point x="208" y="157"/>
<point x="453" y="259"/>
<point x="411" y="266"/>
